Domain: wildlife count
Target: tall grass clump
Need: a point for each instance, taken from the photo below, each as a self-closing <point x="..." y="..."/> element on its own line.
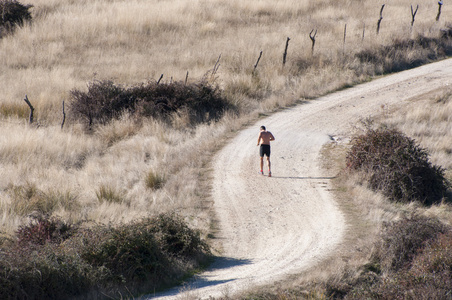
<point x="397" y="166"/>
<point x="404" y="54"/>
<point x="154" y="180"/>
<point x="52" y="259"/>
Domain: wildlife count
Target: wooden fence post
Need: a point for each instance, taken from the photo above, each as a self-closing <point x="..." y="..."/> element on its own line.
<point x="413" y="14"/>
<point x="381" y="18"/>
<point x="345" y="35"/>
<point x="257" y="62"/>
<point x="364" y="31"/>
<point x="285" y="52"/>
<point x="64" y="117"/>
<point x="158" y="81"/>
<point x="440" y="3"/>
<point x="312" y="37"/>
<point x="30" y="119"/>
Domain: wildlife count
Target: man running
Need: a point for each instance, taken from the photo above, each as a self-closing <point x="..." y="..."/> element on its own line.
<point x="266" y="137"/>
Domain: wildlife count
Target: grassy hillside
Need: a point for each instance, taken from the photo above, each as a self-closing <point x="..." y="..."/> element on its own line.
<point x="106" y="174"/>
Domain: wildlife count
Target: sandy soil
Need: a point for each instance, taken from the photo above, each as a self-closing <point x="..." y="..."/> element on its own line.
<point x="273" y="227"/>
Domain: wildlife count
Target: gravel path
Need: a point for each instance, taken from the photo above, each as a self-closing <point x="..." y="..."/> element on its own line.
<point x="274" y="227"/>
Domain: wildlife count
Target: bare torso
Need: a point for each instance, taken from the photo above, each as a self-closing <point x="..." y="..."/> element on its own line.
<point x="265" y="137"/>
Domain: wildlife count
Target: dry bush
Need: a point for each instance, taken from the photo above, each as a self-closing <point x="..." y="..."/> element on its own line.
<point x="412" y="261"/>
<point x="402" y="240"/>
<point x="397" y="166"/>
<point x="105" y="101"/>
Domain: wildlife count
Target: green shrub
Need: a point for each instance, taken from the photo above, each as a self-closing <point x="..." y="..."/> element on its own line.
<point x="397" y="166"/>
<point x="131" y="252"/>
<point x="176" y="237"/>
<point x="105" y="101"/>
<point x="13" y="14"/>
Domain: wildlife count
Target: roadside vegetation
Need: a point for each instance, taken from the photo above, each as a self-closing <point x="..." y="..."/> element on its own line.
<point x="150" y="90"/>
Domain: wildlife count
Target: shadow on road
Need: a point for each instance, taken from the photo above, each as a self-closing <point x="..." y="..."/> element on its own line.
<point x="201" y="281"/>
<point x="307" y="177"/>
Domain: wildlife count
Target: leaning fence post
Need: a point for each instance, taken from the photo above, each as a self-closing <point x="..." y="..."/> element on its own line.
<point x="413" y="14"/>
<point x="158" y="81"/>
<point x="440" y="3"/>
<point x="345" y="35"/>
<point x="30" y="119"/>
<point x="285" y="51"/>
<point x="64" y="117"/>
<point x="257" y="62"/>
<point x="381" y="18"/>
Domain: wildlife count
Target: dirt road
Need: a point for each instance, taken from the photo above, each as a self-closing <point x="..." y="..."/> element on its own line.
<point x="274" y="227"/>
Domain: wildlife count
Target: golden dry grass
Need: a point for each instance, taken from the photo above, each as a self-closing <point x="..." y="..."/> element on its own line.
<point x="72" y="43"/>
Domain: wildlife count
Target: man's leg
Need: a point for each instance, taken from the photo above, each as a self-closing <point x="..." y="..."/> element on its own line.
<point x="269" y="164"/>
<point x="262" y="163"/>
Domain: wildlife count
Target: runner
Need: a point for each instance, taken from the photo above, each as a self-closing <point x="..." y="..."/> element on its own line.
<point x="266" y="137"/>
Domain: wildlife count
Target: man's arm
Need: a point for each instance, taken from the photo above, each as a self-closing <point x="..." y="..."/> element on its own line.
<point x="272" y="138"/>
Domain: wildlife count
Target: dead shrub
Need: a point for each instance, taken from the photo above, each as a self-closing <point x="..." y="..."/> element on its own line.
<point x="412" y="261"/>
<point x="397" y="166"/>
<point x="105" y="101"/>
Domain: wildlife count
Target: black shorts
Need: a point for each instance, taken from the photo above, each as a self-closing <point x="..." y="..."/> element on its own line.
<point x="264" y="150"/>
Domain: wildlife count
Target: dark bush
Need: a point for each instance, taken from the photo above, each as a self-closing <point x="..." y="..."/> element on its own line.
<point x="47" y="272"/>
<point x="54" y="260"/>
<point x="131" y="252"/>
<point x="397" y="166"/>
<point x="176" y="238"/>
<point x="414" y="262"/>
<point x="105" y="101"/>
<point x="12" y="14"/>
<point x="402" y="241"/>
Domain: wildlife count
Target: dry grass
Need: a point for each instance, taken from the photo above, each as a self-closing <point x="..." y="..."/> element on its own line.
<point x="103" y="175"/>
<point x="72" y="43"/>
